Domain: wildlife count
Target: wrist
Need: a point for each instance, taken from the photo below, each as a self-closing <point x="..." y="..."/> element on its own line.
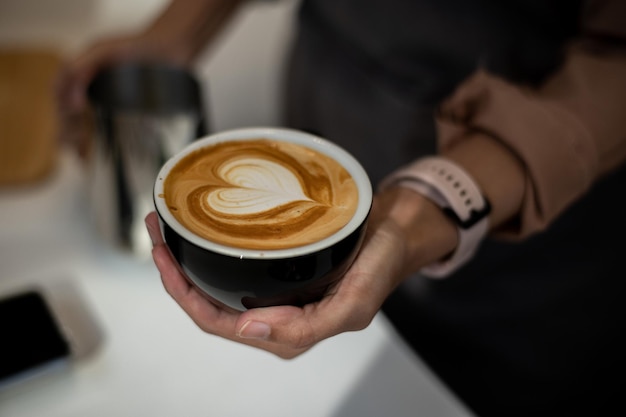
<point x="455" y="192"/>
<point x="427" y="232"/>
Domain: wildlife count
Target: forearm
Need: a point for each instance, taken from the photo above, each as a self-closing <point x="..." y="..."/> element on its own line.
<point x="428" y="234"/>
<point x="185" y="27"/>
<point x="568" y="132"/>
<point x="542" y="147"/>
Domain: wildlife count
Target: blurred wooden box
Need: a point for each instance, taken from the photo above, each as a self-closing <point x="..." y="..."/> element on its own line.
<point x="28" y="116"/>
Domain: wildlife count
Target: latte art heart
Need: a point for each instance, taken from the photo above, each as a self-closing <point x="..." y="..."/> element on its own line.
<point x="260" y="194"/>
<point x="258" y="185"/>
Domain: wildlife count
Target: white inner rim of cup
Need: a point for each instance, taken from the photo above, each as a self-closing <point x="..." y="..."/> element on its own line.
<point x="324" y="146"/>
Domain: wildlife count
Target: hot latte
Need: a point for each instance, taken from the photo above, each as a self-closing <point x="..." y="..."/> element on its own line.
<point x="260" y="194"/>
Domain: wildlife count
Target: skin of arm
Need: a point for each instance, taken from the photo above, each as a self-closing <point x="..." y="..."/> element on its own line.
<point x="185" y="27"/>
<point x="499" y="174"/>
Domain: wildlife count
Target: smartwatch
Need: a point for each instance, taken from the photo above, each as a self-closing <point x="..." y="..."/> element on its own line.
<point x="448" y="185"/>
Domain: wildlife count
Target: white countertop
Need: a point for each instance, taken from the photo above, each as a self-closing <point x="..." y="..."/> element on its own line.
<point x="155" y="361"/>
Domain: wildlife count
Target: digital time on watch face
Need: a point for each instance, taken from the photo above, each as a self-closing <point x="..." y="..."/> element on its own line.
<point x="30" y="337"/>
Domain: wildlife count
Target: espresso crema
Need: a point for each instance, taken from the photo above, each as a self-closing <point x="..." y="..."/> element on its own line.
<point x="260" y="194"/>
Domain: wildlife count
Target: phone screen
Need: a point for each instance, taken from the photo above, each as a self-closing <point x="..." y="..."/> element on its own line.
<point x="29" y="335"/>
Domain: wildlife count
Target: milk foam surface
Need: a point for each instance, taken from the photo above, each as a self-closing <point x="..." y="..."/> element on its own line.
<point x="258" y="185"/>
<point x="260" y="194"/>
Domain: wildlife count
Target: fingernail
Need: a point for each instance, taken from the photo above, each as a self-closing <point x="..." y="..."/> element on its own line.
<point x="254" y="330"/>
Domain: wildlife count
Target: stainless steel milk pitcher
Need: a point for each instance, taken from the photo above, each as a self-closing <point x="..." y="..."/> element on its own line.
<point x="144" y="114"/>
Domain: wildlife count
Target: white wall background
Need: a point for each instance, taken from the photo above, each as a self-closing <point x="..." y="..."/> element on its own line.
<point x="241" y="71"/>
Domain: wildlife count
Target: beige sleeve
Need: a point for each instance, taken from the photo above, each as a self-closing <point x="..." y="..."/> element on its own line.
<point x="568" y="132"/>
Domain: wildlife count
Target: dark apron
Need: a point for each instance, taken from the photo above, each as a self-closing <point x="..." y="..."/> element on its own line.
<point x="528" y="329"/>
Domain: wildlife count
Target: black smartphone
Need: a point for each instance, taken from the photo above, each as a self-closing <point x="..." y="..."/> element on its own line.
<point x="41" y="330"/>
<point x="30" y="334"/>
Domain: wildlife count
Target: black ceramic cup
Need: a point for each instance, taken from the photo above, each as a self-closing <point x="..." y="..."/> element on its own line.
<point x="243" y="278"/>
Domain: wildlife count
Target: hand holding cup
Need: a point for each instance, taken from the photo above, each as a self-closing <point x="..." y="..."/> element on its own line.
<point x="262" y="217"/>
